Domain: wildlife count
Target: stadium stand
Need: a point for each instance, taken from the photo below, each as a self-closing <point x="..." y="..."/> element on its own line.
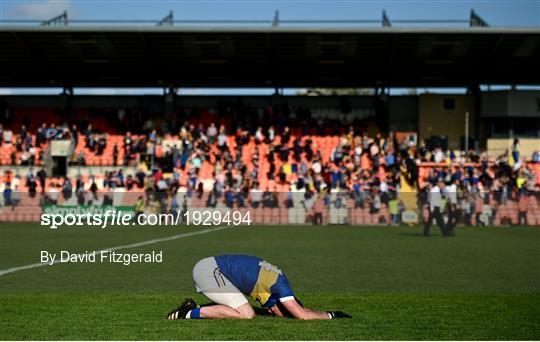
<point x="314" y="161"/>
<point x="282" y="170"/>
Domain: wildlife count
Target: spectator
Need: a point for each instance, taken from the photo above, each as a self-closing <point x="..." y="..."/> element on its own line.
<point x="7" y="136"/>
<point x="523" y="207"/>
<point x="53" y="194"/>
<point x="8" y="192"/>
<point x="67" y="189"/>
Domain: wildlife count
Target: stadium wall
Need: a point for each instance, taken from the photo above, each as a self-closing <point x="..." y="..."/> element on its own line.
<point x="444" y="115"/>
<point x="520" y="104"/>
<point x="498" y="146"/>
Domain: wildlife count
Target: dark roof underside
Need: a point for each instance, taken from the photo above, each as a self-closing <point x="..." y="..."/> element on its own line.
<point x="113" y="57"/>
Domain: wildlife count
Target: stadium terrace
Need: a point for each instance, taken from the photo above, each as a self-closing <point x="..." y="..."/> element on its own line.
<point x="301" y="165"/>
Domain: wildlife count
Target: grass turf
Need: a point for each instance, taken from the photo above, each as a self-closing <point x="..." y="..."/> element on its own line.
<point x="482" y="284"/>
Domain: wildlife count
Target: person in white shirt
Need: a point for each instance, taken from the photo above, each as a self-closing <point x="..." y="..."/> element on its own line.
<point x="255" y="196"/>
<point x="271" y="134"/>
<point x="316" y="167"/>
<point x="454" y="212"/>
<point x="222" y="140"/>
<point x="384" y="186"/>
<point x="53" y="194"/>
<point x="438" y="155"/>
<point x="357" y="155"/>
<point x="259" y="136"/>
<point x="435" y="199"/>
<point x="8" y="136"/>
<point x="212" y="132"/>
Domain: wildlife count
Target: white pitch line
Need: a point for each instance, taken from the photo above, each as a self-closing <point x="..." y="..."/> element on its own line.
<point x="138" y="244"/>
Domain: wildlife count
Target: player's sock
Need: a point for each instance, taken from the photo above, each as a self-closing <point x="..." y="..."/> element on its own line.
<point x="194" y="314"/>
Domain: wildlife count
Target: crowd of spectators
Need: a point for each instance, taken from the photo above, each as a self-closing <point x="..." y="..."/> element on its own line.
<point x="369" y="169"/>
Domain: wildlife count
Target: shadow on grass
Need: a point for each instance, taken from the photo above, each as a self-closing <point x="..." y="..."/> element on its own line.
<point x="421" y="235"/>
<point x="414" y="234"/>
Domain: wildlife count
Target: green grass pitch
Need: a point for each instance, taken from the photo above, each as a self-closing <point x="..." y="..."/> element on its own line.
<point x="482" y="284"/>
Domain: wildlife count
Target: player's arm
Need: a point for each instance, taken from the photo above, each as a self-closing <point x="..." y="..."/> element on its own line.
<point x="299" y="312"/>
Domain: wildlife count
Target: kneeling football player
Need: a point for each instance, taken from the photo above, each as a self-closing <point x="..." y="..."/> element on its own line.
<point x="227" y="279"/>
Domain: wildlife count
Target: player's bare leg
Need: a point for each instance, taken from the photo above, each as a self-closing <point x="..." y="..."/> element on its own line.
<point x="244" y="311"/>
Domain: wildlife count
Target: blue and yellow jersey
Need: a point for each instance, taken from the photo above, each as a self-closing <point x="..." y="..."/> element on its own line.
<point x="256" y="278"/>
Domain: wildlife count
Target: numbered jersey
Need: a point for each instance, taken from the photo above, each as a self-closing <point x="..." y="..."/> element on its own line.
<point x="256" y="278"/>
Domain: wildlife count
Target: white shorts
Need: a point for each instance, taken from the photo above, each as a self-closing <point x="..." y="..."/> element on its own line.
<point x="214" y="285"/>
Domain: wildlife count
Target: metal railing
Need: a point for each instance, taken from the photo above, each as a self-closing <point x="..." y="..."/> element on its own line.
<point x="474" y="20"/>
